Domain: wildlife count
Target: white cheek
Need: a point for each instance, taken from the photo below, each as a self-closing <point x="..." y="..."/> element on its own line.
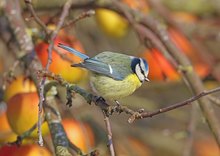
<point x="138" y="72"/>
<point x="142" y="64"/>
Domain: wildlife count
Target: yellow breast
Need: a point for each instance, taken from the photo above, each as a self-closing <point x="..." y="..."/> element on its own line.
<point x="112" y="89"/>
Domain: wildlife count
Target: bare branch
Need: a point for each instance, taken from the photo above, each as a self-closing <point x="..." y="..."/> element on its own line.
<point x="83" y="15"/>
<point x="37" y="19"/>
<point x="64" y="14"/>
<point x="180" y="104"/>
<point x="109" y="133"/>
<point x="111" y="109"/>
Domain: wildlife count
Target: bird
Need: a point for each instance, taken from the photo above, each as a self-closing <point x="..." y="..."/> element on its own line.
<point x="113" y="75"/>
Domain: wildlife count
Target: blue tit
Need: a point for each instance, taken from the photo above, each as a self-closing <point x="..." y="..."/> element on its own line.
<point x="113" y="75"/>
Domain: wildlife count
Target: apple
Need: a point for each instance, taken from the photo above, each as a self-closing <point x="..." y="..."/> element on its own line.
<point x="22" y="113"/>
<point x="184" y="17"/>
<point x="20" y="85"/>
<point x="24" y="150"/>
<point x="159" y="67"/>
<point x="6" y="134"/>
<point x="7" y="150"/>
<point x="79" y="134"/>
<point x="111" y="23"/>
<point x="202" y="68"/>
<point x="59" y="65"/>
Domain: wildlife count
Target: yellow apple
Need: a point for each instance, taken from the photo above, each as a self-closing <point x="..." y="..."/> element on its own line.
<point x="111" y="23"/>
<point x="22" y="113"/>
<point x="20" y="85"/>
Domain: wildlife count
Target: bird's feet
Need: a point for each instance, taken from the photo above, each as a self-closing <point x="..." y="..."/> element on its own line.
<point x="99" y="99"/>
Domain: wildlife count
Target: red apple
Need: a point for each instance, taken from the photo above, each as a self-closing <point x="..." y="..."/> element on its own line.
<point x="59" y="65"/>
<point x="79" y="134"/>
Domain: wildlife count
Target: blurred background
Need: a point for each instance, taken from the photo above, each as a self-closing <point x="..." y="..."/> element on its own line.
<point x="193" y="26"/>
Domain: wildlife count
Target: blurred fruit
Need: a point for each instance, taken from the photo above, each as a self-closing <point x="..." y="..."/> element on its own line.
<point x="80" y="134"/>
<point x="183" y="43"/>
<point x="159" y="67"/>
<point x="60" y="65"/>
<point x="181" y="16"/>
<point x="6" y="134"/>
<point x="206" y="147"/>
<point x="111" y="23"/>
<point x="22" y="113"/>
<point x="140" y="5"/>
<point x="8" y="150"/>
<point x="24" y="150"/>
<point x="131" y="146"/>
<point x="20" y="85"/>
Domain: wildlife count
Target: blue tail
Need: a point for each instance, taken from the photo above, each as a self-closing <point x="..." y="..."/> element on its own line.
<point x="73" y="51"/>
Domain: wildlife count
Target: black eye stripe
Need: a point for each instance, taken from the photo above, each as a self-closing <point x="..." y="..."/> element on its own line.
<point x="142" y="71"/>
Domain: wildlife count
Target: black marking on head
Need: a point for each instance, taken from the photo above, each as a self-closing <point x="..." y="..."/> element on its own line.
<point x="140" y="67"/>
<point x="134" y="62"/>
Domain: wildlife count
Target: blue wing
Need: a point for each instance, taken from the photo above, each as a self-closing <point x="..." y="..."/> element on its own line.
<point x="73" y="51"/>
<point x="99" y="67"/>
<point x="93" y="64"/>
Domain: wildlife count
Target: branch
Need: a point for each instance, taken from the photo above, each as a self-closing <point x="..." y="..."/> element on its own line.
<point x="191" y="79"/>
<point x="109" y="132"/>
<point x="37" y="19"/>
<point x="64" y="14"/>
<point x="111" y="109"/>
<point x="83" y="15"/>
<point x="23" y="136"/>
<point x="16" y="22"/>
<point x="180" y="104"/>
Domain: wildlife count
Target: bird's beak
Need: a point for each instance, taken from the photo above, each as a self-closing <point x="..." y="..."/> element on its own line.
<point x="146" y="79"/>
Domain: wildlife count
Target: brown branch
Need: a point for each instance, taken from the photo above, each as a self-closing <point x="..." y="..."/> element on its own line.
<point x="111" y="109"/>
<point x="23" y="136"/>
<point x="83" y="15"/>
<point x="192" y="80"/>
<point x="64" y="14"/>
<point x="36" y="18"/>
<point x="180" y="104"/>
<point x="16" y="22"/>
<point x="109" y="133"/>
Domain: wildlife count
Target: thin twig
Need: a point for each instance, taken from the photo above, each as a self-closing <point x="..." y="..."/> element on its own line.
<point x="180" y="104"/>
<point x="37" y="19"/>
<point x="84" y="14"/>
<point x="109" y="133"/>
<point x="64" y="14"/>
<point x="23" y="136"/>
<point x="111" y="109"/>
